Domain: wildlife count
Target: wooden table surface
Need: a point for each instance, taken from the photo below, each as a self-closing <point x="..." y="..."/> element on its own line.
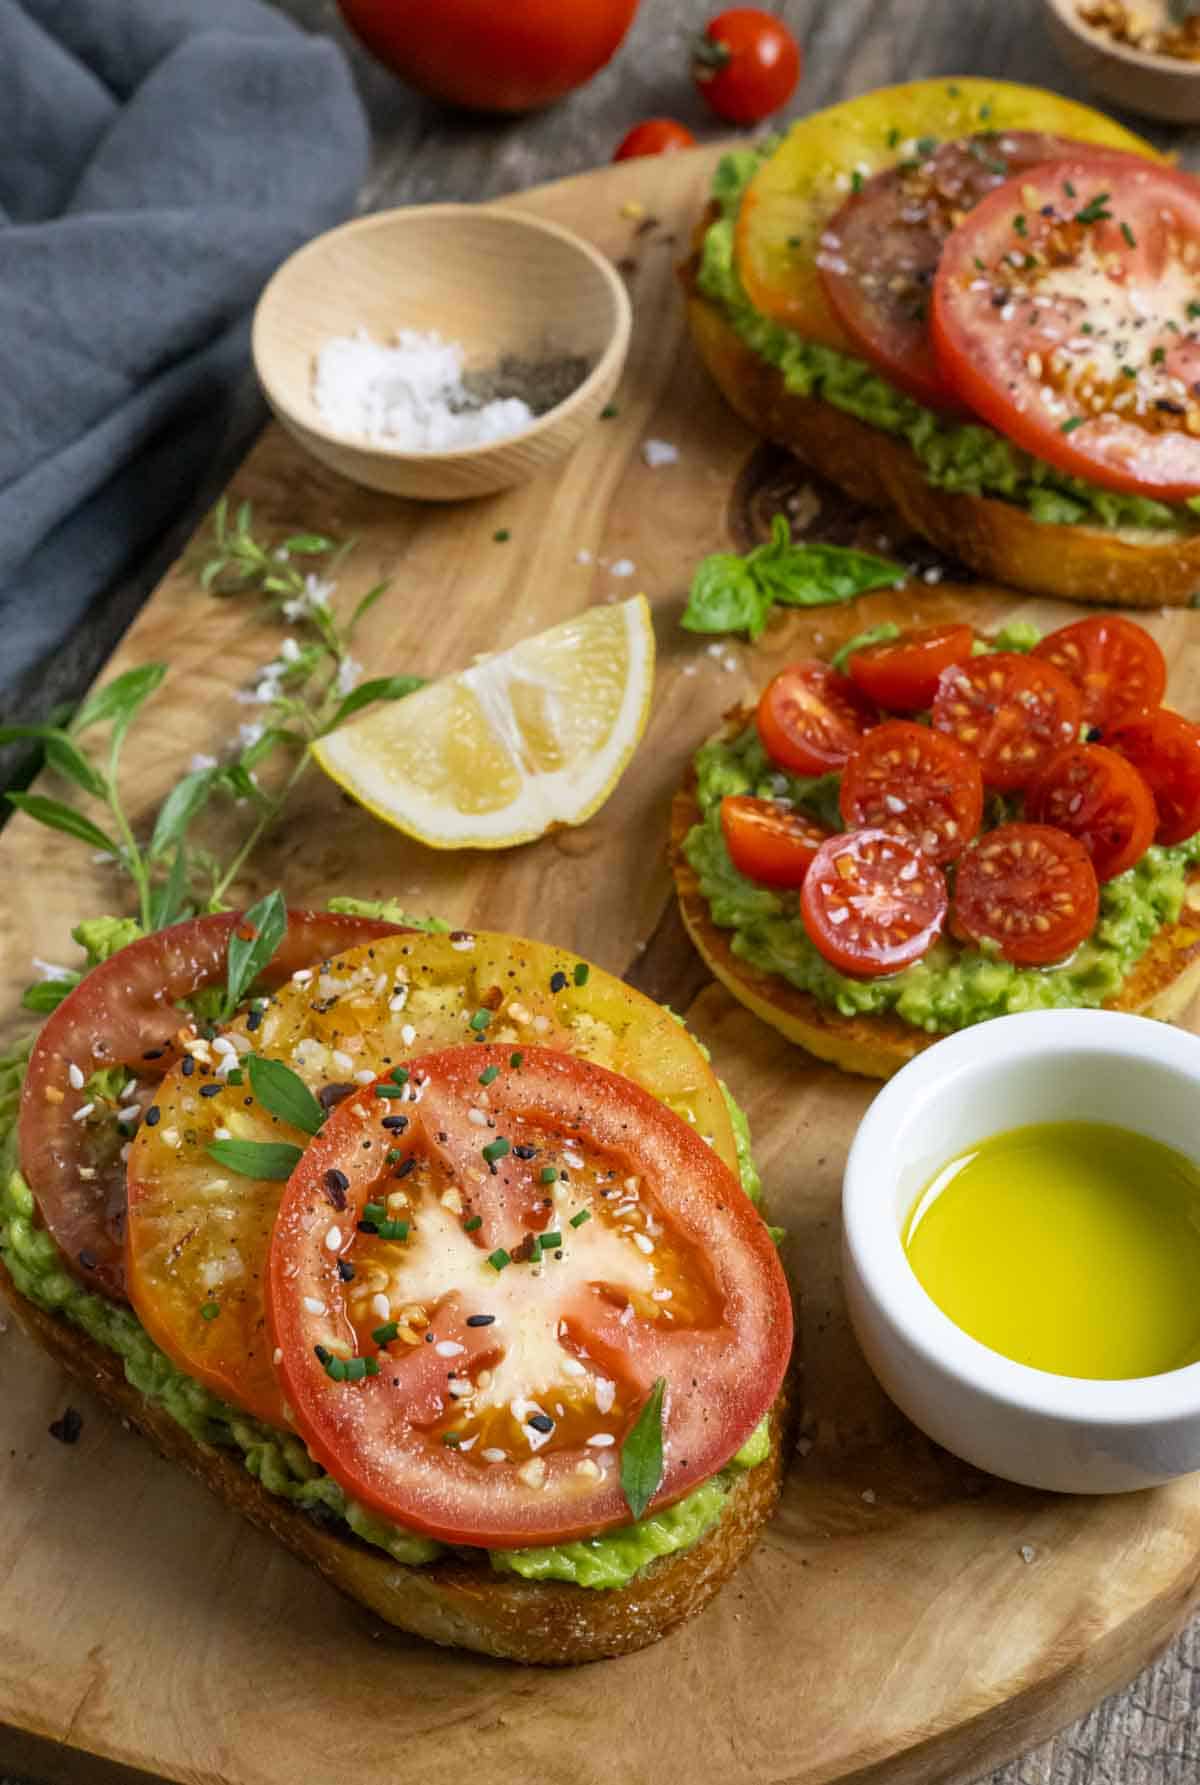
<point x="1150" y="1734"/>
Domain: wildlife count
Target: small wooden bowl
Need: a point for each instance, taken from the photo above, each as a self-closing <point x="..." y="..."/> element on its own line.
<point x="1158" y="86"/>
<point x="496" y="281"/>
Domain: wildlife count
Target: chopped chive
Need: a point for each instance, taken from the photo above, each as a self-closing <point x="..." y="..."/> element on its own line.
<point x="579" y="1219"/>
<point x="1019" y="224"/>
<point x="1068" y="189"/>
<point x="453" y="1439"/>
<point x="535" y="1248"/>
<point x="335" y="1368"/>
<point x="235" y="1077"/>
<point x="383" y="1335"/>
<point x="496" y="1149"/>
<point x="550" y="1240"/>
<point x="1129" y="235"/>
<point x="375" y="1211"/>
<point x="1193" y="309"/>
<point x="516" y="1061"/>
<point x="489" y="1075"/>
<point x="210" y="1310"/>
<point x="502" y="535"/>
<point x="893" y="137"/>
<point x="582" y="971"/>
<point x="372" y="1366"/>
<point x="390" y="1091"/>
<point x="356" y="1369"/>
<point x="608" y="411"/>
<point x="480" y="1021"/>
<point x="399" y="1075"/>
<point x="1129" y="371"/>
<point x="548" y="1174"/>
<point x="393" y="1230"/>
<point x="393" y="1156"/>
<point x="1094" y="211"/>
<point x="1158" y="356"/>
<point x="499" y="1258"/>
<point x="856" y="181"/>
<point x="322" y="1355"/>
<point x="1070" y="425"/>
<point x="473" y="1223"/>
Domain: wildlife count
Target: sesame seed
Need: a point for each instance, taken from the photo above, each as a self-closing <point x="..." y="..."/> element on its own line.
<point x="333" y="1239"/>
<point x="313" y="1305"/>
<point x="408" y="1034"/>
<point x="601" y="1440"/>
<point x="492" y="1455"/>
<point x="83" y="1111"/>
<point x="448" y="1348"/>
<point x="75" y="1077"/>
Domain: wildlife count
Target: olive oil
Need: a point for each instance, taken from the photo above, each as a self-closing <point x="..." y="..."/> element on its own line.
<point x="1070" y="1246"/>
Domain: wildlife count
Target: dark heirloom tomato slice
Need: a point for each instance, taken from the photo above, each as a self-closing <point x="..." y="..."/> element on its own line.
<point x="1116" y="665"/>
<point x="880" y="253"/>
<point x="1012" y="712"/>
<point x="1095" y="795"/>
<point x="506" y="1369"/>
<point x="872" y="903"/>
<point x="902" y="674"/>
<point x="768" y="841"/>
<point x="916" y="784"/>
<point x="1063" y="313"/>
<point x="810" y="718"/>
<point x="1029" y="888"/>
<point x="125" y="1013"/>
<point x="1164" y="748"/>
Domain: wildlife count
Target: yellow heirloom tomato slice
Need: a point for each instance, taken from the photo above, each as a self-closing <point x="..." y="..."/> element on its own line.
<point x="198" y="1232"/>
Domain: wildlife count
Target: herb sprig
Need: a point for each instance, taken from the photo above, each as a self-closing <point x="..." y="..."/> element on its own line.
<point x="732" y="593"/>
<point x="642" y="1453"/>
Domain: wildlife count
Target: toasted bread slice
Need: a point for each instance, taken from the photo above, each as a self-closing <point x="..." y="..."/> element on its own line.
<point x="997" y="539"/>
<point x="1161" y="984"/>
<point x="455" y="1602"/>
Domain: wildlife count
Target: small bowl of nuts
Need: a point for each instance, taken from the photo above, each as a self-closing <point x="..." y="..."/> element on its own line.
<point x="1143" y="55"/>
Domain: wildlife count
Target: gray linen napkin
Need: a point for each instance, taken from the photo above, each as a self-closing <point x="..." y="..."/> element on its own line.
<point x="158" y="159"/>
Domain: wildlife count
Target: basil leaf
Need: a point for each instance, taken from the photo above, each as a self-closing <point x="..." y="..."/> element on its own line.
<point x="181" y="805"/>
<point x="275" y="1159"/>
<point x="120" y="699"/>
<point x="282" y="1093"/>
<point x="823" y="575"/>
<point x="385" y="688"/>
<point x="642" y="1454"/>
<point x="252" y="942"/>
<point x="874" y="635"/>
<point x="64" y="818"/>
<point x="725" y="596"/>
<point x="46" y="995"/>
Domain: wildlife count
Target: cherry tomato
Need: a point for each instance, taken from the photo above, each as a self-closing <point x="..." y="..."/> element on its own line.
<point x="492" y="57"/>
<point x="654" y="136"/>
<point x="914" y="783"/>
<point x="768" y="841"/>
<point x="902" y="673"/>
<point x="1095" y="795"/>
<point x="746" y="64"/>
<point x="810" y="718"/>
<point x="533" y="1369"/>
<point x="1062" y="316"/>
<point x="1029" y="888"/>
<point x="1164" y="748"/>
<point x="195" y="1244"/>
<point x="880" y="252"/>
<point x="127" y="1012"/>
<point x="872" y="903"/>
<point x="1115" y="664"/>
<point x="1012" y="712"/>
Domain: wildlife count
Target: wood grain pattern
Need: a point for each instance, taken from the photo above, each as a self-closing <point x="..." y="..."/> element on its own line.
<point x="905" y="1621"/>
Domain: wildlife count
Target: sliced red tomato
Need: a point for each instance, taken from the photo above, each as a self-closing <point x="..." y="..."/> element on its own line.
<point x="126" y="1012"/>
<point x="1116" y="665"/>
<point x="1164" y="748"/>
<point x="810" y="718"/>
<point x="525" y="1263"/>
<point x="1029" y="888"/>
<point x="901" y="674"/>
<point x="654" y="136"/>
<point x="1095" y="795"/>
<point x="1063" y="314"/>
<point x="880" y="252"/>
<point x="872" y="903"/>
<point x="768" y="841"/>
<point x="1013" y="712"/>
<point x="916" y="784"/>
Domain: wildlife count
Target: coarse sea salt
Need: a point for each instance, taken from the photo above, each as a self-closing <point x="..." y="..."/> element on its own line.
<point x="410" y="394"/>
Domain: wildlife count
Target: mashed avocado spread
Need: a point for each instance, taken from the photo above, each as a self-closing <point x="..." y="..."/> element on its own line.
<point x="966" y="457"/>
<point x="951" y="987"/>
<point x="279" y="1460"/>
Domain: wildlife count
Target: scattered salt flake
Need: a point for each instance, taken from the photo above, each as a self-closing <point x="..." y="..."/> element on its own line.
<point x="869" y="1496"/>
<point x="583" y="557"/>
<point x="1027" y="1553"/>
<point x="659" y="452"/>
<point x="803" y="1446"/>
<point x="622" y="567"/>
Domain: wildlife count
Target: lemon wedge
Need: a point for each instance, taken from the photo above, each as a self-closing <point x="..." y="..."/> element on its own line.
<point x="521" y="742"/>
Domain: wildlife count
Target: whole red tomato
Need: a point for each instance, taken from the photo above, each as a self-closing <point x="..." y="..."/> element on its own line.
<point x="654" y="136"/>
<point x="746" y="64"/>
<point x="492" y="55"/>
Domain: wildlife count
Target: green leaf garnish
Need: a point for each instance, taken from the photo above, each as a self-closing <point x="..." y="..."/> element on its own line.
<point x="274" y="1159"/>
<point x="384" y="688"/>
<point x="284" y="1094"/>
<point x="252" y="942"/>
<point x="58" y="817"/>
<point x="736" y="594"/>
<point x="642" y="1454"/>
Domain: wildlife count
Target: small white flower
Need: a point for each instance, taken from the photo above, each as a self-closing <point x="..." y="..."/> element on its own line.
<point x="348" y="674"/>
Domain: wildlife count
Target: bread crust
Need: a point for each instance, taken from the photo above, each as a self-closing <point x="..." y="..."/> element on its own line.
<point x="454" y="1602"/>
<point x="1000" y="541"/>
<point x="1161" y="985"/>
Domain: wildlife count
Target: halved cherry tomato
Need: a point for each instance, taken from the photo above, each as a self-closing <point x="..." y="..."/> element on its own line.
<point x="1062" y="314"/>
<point x="654" y="136"/>
<point x="1095" y="795"/>
<point x="872" y="903"/>
<point x="1164" y="748"/>
<point x="506" y="1427"/>
<point x="1012" y="712"/>
<point x="1115" y="664"/>
<point x="197" y="1246"/>
<point x="1031" y="889"/>
<point x="902" y="673"/>
<point x="810" y="718"/>
<point x="126" y="1012"/>
<point x="880" y="252"/>
<point x="769" y="842"/>
<point x="746" y="64"/>
<point x="914" y="783"/>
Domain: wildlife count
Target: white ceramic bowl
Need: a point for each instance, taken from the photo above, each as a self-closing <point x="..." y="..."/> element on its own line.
<point x="1063" y="1432"/>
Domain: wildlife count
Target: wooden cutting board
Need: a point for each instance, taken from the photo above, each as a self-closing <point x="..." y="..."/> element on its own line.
<point x="905" y="1620"/>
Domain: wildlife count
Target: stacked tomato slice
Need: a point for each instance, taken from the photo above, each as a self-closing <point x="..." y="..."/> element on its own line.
<point x="1071" y="736"/>
<point x="1043" y="285"/>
